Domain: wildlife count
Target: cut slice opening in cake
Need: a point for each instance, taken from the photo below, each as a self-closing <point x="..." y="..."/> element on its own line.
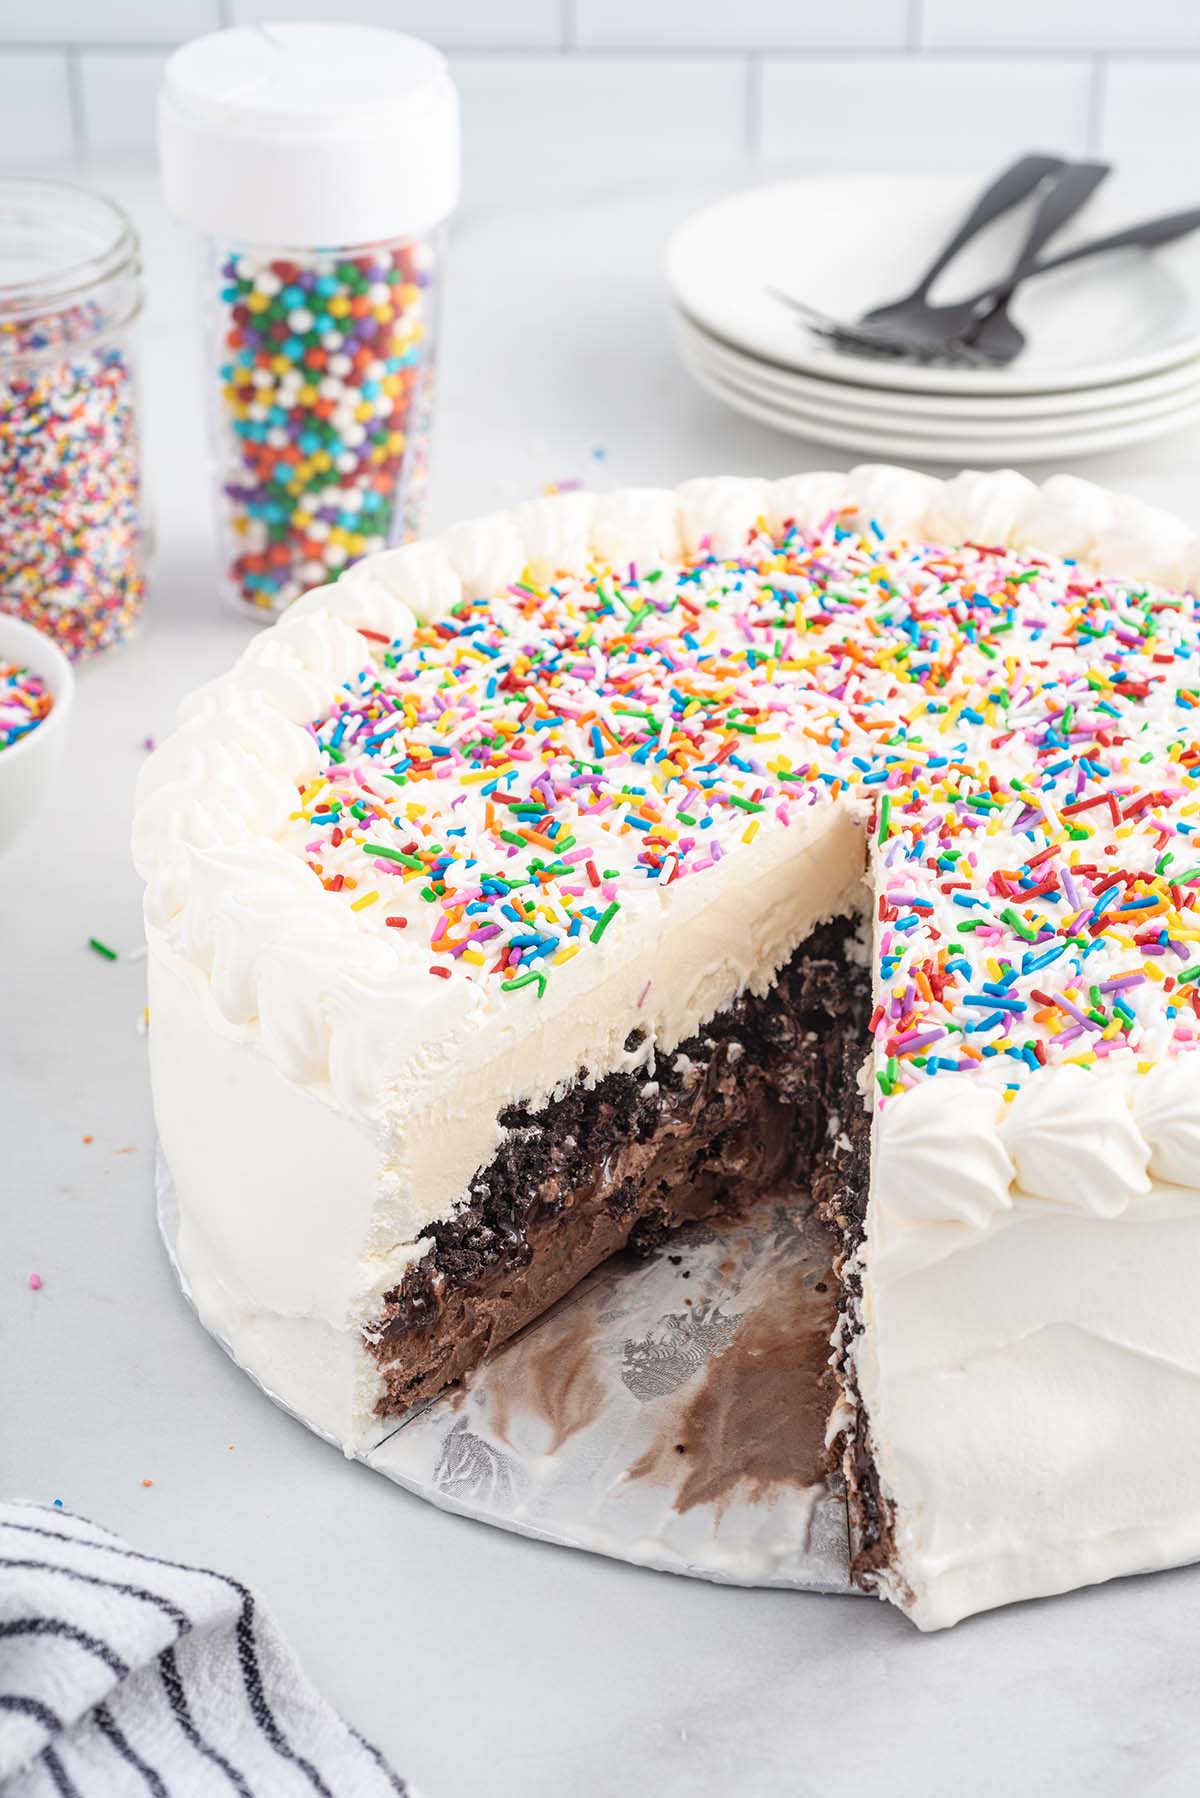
<point x="763" y="1102"/>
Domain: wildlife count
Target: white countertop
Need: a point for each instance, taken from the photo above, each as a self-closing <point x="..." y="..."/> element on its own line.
<point x="480" y="1662"/>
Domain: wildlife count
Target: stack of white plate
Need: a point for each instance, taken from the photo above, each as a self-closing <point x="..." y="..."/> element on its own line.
<point x="1113" y="345"/>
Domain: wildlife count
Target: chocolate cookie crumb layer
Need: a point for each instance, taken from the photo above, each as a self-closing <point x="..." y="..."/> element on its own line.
<point x="753" y="1104"/>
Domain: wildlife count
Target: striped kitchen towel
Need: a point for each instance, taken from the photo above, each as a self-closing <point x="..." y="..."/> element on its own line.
<point x="126" y="1673"/>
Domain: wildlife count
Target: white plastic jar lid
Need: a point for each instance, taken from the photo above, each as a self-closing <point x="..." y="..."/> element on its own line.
<point x="303" y="136"/>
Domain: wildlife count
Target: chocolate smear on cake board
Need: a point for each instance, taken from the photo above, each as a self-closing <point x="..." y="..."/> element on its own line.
<point x="554" y="1372"/>
<point x="737" y="1393"/>
<point x="754" y="1419"/>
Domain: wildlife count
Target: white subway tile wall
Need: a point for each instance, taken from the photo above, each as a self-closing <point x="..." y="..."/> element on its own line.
<point x="118" y="97"/>
<point x="1152" y="120"/>
<point x="557" y="92"/>
<point x="918" y="112"/>
<point x="454" y="24"/>
<point x="541" y="124"/>
<point x="746" y="25"/>
<point x="35" y="106"/>
<point x="1061" y="25"/>
<point x="107" y="21"/>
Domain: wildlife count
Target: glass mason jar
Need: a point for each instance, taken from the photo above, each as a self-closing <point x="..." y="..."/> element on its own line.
<point x="73" y="547"/>
<point x="320" y="370"/>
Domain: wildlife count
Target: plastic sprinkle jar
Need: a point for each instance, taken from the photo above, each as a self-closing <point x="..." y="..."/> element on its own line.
<point x="321" y="163"/>
<point x="72" y="546"/>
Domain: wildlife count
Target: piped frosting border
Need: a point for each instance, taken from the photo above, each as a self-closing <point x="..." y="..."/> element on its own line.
<point x="279" y="956"/>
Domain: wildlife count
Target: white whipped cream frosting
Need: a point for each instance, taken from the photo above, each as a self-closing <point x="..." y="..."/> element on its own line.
<point x="1073" y="1141"/>
<point x="556" y="531"/>
<point x="1164" y="1105"/>
<point x="293" y="1003"/>
<point x="917" y="1180"/>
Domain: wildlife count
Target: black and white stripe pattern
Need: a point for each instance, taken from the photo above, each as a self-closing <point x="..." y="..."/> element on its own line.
<point x="123" y="1673"/>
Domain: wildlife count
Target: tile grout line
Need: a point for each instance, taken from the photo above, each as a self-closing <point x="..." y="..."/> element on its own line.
<point x="818" y="53"/>
<point x="94" y="47"/>
<point x="916" y="22"/>
<point x="1097" y="105"/>
<point x="754" y="105"/>
<point x="76" y="103"/>
<point x="958" y="53"/>
<point x="689" y="52"/>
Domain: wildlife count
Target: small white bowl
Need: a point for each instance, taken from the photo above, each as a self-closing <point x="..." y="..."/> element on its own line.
<point x="26" y="767"/>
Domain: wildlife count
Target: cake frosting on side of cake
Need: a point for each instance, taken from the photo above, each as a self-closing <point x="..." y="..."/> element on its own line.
<point x="488" y="896"/>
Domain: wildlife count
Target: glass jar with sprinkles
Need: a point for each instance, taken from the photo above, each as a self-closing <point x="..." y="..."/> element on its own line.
<point x="72" y="543"/>
<point x="321" y="164"/>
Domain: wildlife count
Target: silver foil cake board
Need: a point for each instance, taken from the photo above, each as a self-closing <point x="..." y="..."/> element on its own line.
<point x="668" y="1412"/>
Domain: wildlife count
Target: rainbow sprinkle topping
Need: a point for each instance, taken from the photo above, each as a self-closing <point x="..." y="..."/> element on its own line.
<point x="71" y="541"/>
<point x="324" y="410"/>
<point x="1019" y="737"/>
<point x="25" y="702"/>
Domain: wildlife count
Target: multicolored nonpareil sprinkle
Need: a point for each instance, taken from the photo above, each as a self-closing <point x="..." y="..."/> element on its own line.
<point x="71" y="545"/>
<point x="1020" y="739"/>
<point x="326" y="384"/>
<point x="25" y="702"/>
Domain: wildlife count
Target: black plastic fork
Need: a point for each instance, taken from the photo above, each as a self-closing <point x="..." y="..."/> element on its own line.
<point x="991" y="331"/>
<point x="1149" y="234"/>
<point x="913" y="316"/>
<point x="967" y="331"/>
<point x="878" y="331"/>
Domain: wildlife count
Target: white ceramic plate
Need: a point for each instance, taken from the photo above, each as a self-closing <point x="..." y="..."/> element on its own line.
<point x="983" y="451"/>
<point x="882" y="402"/>
<point x="758" y="382"/>
<point x="844" y="243"/>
